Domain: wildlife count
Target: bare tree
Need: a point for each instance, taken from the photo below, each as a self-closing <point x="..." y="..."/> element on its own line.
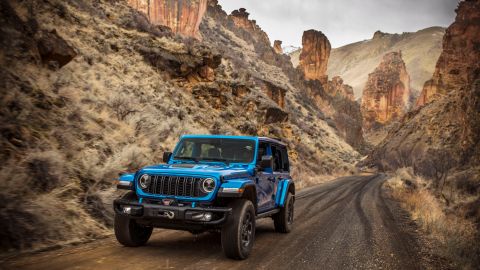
<point x="122" y="108"/>
<point x="437" y="165"/>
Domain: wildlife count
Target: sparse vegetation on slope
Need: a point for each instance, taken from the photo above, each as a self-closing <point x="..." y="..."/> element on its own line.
<point x="72" y="121"/>
<point x="451" y="235"/>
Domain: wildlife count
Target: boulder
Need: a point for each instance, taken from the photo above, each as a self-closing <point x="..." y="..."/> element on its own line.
<point x="54" y="50"/>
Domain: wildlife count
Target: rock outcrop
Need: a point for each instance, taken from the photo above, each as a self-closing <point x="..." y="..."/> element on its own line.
<point x="450" y="121"/>
<point x="277" y="46"/>
<point x="458" y="64"/>
<point x="337" y="87"/>
<point x="314" y="56"/>
<point x="54" y="50"/>
<point x="387" y="92"/>
<point x="241" y="20"/>
<point x="182" y="16"/>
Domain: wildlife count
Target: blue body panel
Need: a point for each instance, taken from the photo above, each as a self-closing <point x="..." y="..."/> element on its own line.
<point x="129" y="177"/>
<point x="282" y="192"/>
<point x="233" y="175"/>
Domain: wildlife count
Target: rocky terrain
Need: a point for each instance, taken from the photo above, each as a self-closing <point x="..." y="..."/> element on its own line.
<point x="94" y="88"/>
<point x="182" y="17"/>
<point x="386" y="96"/>
<point x="353" y="62"/>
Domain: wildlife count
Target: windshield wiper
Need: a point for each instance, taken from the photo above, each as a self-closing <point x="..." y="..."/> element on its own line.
<point x="186" y="158"/>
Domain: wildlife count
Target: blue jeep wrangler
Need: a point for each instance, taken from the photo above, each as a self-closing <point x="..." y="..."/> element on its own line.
<point x="209" y="183"/>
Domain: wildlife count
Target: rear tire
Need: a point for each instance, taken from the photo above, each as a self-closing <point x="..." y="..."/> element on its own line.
<point x="238" y="233"/>
<point x="129" y="233"/>
<point x="283" y="220"/>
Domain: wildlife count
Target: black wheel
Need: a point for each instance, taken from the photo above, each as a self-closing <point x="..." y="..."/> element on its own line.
<point x="238" y="233"/>
<point x="283" y="220"/>
<point x="129" y="233"/>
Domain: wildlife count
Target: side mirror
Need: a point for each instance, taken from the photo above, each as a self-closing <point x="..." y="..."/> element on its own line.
<point x="166" y="156"/>
<point x="266" y="162"/>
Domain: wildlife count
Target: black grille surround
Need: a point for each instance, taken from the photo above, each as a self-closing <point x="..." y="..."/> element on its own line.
<point x="183" y="186"/>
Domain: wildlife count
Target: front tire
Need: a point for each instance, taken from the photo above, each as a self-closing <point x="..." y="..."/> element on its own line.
<point x="238" y="233"/>
<point x="129" y="233"/>
<point x="283" y="220"/>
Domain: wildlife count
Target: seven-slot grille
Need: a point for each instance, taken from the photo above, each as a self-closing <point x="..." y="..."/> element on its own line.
<point x="175" y="185"/>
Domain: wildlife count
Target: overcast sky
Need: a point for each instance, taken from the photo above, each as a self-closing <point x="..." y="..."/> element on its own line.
<point x="343" y="21"/>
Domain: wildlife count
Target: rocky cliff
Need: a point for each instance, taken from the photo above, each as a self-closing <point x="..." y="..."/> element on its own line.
<point x="181" y="16"/>
<point x="450" y="123"/>
<point x="387" y="92"/>
<point x="313" y="59"/>
<point x="241" y="20"/>
<point x="458" y="64"/>
<point x="337" y="87"/>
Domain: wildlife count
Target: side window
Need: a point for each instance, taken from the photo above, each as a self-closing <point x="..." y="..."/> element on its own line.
<point x="262" y="151"/>
<point x="277" y="158"/>
<point x="285" y="163"/>
<point x="186" y="150"/>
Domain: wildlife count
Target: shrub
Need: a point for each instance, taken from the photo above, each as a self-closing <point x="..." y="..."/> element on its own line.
<point x="454" y="237"/>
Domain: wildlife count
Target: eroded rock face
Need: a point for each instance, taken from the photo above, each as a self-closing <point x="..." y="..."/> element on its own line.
<point x="274" y="92"/>
<point x="449" y="121"/>
<point x="336" y="87"/>
<point x="182" y="16"/>
<point x="314" y="57"/>
<point x="458" y="64"/>
<point x="277" y="46"/>
<point x="387" y="92"/>
<point x="240" y="19"/>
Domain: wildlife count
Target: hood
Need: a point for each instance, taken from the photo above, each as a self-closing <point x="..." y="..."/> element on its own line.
<point x="193" y="169"/>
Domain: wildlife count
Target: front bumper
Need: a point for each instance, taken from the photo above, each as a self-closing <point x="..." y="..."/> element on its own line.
<point x="172" y="217"/>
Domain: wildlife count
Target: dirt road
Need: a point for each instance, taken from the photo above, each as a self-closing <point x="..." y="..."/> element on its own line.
<point x="343" y="224"/>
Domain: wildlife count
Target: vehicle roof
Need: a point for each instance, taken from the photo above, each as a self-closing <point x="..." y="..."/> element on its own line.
<point x="272" y="140"/>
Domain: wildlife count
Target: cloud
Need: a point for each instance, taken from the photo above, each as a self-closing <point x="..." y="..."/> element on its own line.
<point x="344" y="21"/>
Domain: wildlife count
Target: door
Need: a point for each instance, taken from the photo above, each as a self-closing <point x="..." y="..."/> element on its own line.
<point x="265" y="181"/>
<point x="280" y="167"/>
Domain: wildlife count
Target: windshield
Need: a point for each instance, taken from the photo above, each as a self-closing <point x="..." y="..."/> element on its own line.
<point x="215" y="149"/>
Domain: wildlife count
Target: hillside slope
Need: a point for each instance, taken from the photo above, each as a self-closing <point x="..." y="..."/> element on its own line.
<point x="353" y="62"/>
<point x="90" y="89"/>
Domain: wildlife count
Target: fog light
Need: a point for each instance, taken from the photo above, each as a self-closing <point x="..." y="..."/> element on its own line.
<point x="127" y="210"/>
<point x="204" y="216"/>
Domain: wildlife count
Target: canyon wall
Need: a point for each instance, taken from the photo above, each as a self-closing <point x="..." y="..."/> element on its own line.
<point x="313" y="59"/>
<point x="387" y="92"/>
<point x="182" y="16"/>
<point x="450" y="121"/>
<point x="458" y="64"/>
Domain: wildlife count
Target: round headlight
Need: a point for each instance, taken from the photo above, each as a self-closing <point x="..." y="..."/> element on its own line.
<point x="144" y="181"/>
<point x="208" y="185"/>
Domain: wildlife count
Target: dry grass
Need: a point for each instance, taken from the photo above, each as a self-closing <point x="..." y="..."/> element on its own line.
<point x="453" y="236"/>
